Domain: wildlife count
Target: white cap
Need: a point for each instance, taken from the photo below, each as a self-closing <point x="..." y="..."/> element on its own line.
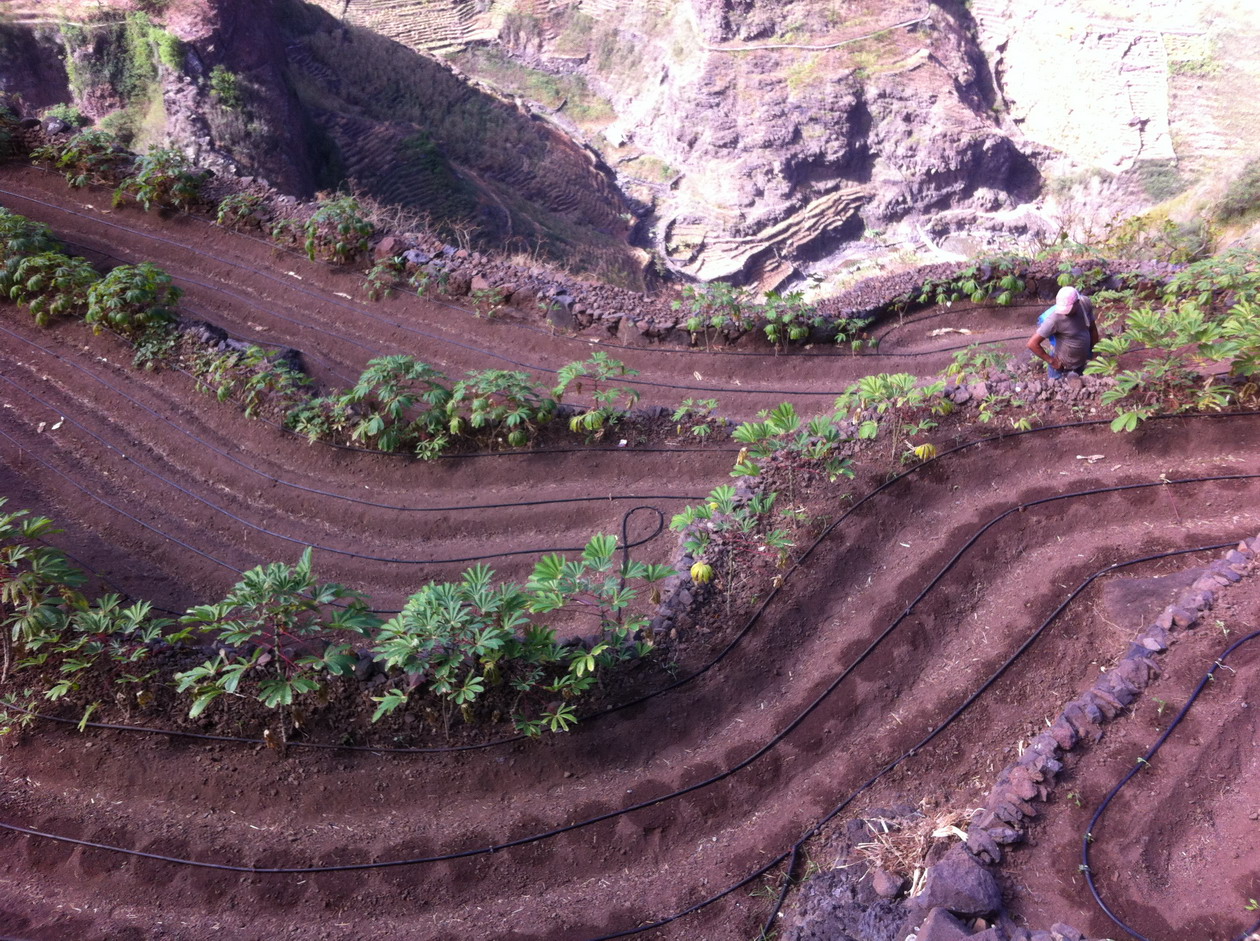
<point x="1064" y="300"/>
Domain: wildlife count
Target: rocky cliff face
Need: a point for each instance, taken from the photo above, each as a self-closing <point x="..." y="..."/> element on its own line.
<point x="758" y="139"/>
<point x="747" y="140"/>
<point x="282" y="91"/>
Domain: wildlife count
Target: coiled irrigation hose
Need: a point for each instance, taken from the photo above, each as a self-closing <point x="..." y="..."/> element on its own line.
<point x="1089" y="838"/>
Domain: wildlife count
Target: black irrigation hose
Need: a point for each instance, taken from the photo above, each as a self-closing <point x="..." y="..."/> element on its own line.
<point x="238" y="571"/>
<point x="1088" y="840"/>
<point x="683" y="681"/>
<point x="327" y="493"/>
<point x="773" y="742"/>
<point x="275" y="246"/>
<point x="361" y="310"/>
<point x="303" y="325"/>
<point x="993" y="678"/>
<point x="348" y="553"/>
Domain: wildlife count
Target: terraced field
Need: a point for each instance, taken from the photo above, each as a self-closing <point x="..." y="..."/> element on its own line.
<point x="657" y="818"/>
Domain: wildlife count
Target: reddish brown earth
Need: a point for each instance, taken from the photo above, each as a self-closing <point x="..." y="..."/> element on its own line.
<point x="658" y="852"/>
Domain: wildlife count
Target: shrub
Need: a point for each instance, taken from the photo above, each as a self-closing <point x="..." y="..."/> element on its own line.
<point x="225" y="86"/>
<point x="170" y="49"/>
<point x="132" y="299"/>
<point x="51" y="285"/>
<point x="338" y="232"/>
<point x="165" y="177"/>
<point x="1242" y="199"/>
<point x="65" y="112"/>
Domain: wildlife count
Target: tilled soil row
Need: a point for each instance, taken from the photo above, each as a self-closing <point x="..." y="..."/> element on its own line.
<point x="234" y="480"/>
<point x="255" y="290"/>
<point x="722" y="830"/>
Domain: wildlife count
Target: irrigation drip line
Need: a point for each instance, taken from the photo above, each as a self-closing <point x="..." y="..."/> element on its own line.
<point x="993" y="678"/>
<point x="772" y="743"/>
<point x="1088" y="839"/>
<point x="587" y="341"/>
<point x="797" y="352"/>
<point x="327" y="493"/>
<point x="361" y="310"/>
<point x="676" y="684"/>
<point x="348" y="553"/>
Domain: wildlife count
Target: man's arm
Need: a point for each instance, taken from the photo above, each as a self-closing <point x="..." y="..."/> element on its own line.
<point x="1035" y="344"/>
<point x="1093" y="334"/>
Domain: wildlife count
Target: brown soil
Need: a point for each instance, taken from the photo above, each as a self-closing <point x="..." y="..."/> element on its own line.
<point x="653" y="852"/>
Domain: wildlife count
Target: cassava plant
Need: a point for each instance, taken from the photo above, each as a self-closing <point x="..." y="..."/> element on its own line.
<point x="401" y="402"/>
<point x="91" y="156"/>
<point x="471" y="639"/>
<point x="496" y="400"/>
<point x="52" y="285"/>
<point x="337" y="231"/>
<point x="165" y="177"/>
<point x="272" y="631"/>
<point x="132" y="299"/>
<point x="594" y="377"/>
<point x="37" y="582"/>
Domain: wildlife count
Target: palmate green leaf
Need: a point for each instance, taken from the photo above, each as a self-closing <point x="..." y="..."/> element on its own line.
<point x="599" y="551"/>
<point x="1125" y="421"/>
<point x="391" y="701"/>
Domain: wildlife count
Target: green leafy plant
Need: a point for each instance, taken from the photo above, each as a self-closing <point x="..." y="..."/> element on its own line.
<point x="697" y="413"/>
<point x="131" y="299"/>
<point x="164" y="177"/>
<point x="51" y="285"/>
<point x="37" y="582"/>
<point x="273" y="627"/>
<point x="63" y="111"/>
<point x="470" y="638"/>
<point x="897" y="398"/>
<point x="401" y="402"/>
<point x="240" y="211"/>
<point x="788" y="318"/>
<point x="87" y="638"/>
<point x="977" y="361"/>
<point x="497" y="399"/>
<point x="715" y="306"/>
<point x="1177" y="339"/>
<point x="593" y="377"/>
<point x="380" y="279"/>
<point x="225" y="87"/>
<point x="995" y="278"/>
<point x="90" y="156"/>
<point x="487" y="301"/>
<point x="253" y="378"/>
<point x="337" y="231"/>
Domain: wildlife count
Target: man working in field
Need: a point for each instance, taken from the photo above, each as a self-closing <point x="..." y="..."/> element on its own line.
<point x="1072" y="331"/>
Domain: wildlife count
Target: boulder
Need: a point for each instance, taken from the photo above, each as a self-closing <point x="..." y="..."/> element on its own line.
<point x="940" y="925"/>
<point x="962" y="885"/>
